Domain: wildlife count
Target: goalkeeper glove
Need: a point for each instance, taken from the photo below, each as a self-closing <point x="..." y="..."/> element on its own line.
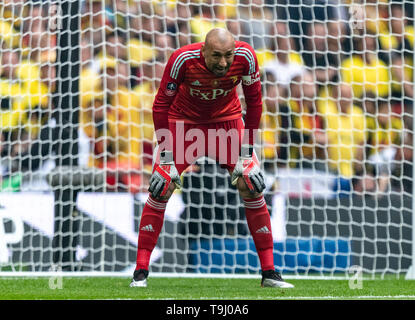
<point x="248" y="170"/>
<point x="163" y="175"/>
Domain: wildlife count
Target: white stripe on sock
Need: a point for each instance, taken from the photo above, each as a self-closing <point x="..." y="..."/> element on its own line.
<point x="254" y="204"/>
<point x="156" y="205"/>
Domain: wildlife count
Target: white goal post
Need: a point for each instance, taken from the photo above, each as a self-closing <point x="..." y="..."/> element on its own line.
<point x="77" y="83"/>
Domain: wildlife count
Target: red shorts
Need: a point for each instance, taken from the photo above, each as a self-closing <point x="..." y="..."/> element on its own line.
<point x="220" y="141"/>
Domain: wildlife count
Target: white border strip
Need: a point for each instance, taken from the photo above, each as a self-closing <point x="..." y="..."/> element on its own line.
<point x="160" y="275"/>
<point x="317" y="297"/>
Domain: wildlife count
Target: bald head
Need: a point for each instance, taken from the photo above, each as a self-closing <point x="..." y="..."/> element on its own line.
<point x="218" y="51"/>
<point x="219" y="36"/>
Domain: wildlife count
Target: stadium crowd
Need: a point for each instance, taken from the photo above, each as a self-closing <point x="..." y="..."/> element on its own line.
<point x="337" y="84"/>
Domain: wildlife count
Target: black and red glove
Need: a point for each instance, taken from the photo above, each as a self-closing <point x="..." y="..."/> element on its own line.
<point x="164" y="174"/>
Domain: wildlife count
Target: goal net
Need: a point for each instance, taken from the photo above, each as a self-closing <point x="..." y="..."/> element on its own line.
<point x="78" y="79"/>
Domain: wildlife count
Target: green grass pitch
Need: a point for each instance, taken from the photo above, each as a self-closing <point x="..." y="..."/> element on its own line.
<point x="81" y="288"/>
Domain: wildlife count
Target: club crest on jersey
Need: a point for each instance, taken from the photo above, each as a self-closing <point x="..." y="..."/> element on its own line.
<point x="215" y="83"/>
<point x="234" y="79"/>
<point x="171" y="89"/>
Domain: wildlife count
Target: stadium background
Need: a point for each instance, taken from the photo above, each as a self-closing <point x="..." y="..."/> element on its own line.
<point x="341" y="207"/>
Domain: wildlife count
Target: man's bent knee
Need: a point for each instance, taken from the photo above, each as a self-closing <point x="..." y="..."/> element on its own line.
<point x="244" y="190"/>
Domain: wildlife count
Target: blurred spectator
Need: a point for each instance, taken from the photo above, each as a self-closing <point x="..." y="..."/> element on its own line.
<point x="307" y="138"/>
<point x="29" y="151"/>
<point x="144" y="25"/>
<point x="301" y="14"/>
<point x="278" y="71"/>
<point x="112" y="115"/>
<point x="143" y="95"/>
<point x="370" y="106"/>
<point x="118" y="122"/>
<point x="397" y="35"/>
<point x="115" y="46"/>
<point x="383" y="144"/>
<point x="131" y="51"/>
<point x="286" y="63"/>
<point x="95" y="23"/>
<point x="38" y="40"/>
<point x="36" y="68"/>
<point x="119" y="13"/>
<point x="89" y="81"/>
<point x="11" y="13"/>
<point x="33" y="151"/>
<point x="338" y="40"/>
<point x="3" y="160"/>
<point x="364" y="71"/>
<point x="208" y="15"/>
<point x="188" y="21"/>
<point x="396" y="49"/>
<point x="344" y="124"/>
<point x="271" y="123"/>
<point x="92" y="122"/>
<point x="403" y="172"/>
<point x="164" y="48"/>
<point x="23" y="92"/>
<point x="12" y="10"/>
<point x="376" y="14"/>
<point x="93" y="115"/>
<point x="39" y="96"/>
<point x="256" y="24"/>
<point x="141" y="54"/>
<point x="317" y="56"/>
<point x="177" y="22"/>
<point x="28" y="78"/>
<point x="145" y="28"/>
<point x="10" y="91"/>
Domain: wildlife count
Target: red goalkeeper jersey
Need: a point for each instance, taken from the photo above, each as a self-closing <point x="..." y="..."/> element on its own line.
<point x="189" y="92"/>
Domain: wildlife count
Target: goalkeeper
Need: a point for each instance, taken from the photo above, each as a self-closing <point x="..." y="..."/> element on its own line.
<point x="197" y="97"/>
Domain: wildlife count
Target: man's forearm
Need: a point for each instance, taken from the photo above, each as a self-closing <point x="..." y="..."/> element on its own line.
<point x="253" y="101"/>
<point x="252" y="119"/>
<point x="161" y="127"/>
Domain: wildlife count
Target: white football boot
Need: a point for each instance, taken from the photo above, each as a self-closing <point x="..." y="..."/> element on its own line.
<point x="271" y="278"/>
<point x="139" y="278"/>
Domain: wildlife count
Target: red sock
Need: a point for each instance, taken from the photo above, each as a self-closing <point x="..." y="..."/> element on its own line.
<point x="259" y="224"/>
<point x="151" y="224"/>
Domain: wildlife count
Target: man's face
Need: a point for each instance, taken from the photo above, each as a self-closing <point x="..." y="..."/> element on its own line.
<point x="319" y="36"/>
<point x="283" y="42"/>
<point x="369" y="43"/>
<point x="308" y="86"/>
<point x="219" y="56"/>
<point x="383" y="114"/>
<point x="9" y="63"/>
